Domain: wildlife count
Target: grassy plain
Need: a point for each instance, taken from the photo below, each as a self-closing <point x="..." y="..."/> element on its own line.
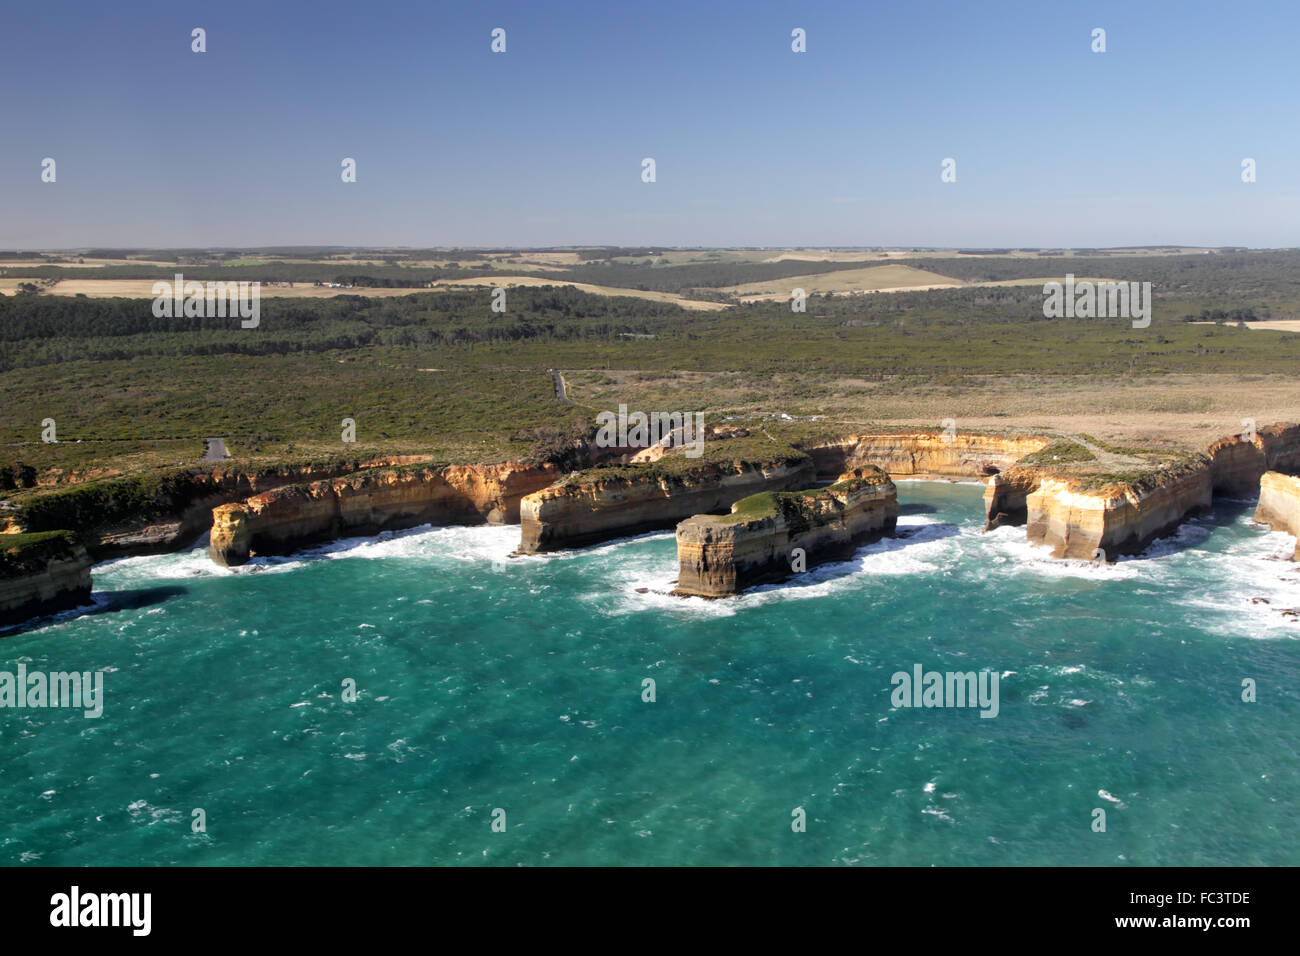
<point x="437" y="372"/>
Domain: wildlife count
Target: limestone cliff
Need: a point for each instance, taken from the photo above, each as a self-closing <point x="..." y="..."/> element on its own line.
<point x="1279" y="505"/>
<point x="41" y="573"/>
<point x="1006" y="494"/>
<point x="286" y="519"/>
<point x="1076" y="516"/>
<point x="924" y="453"/>
<point x="1079" y="509"/>
<point x="1238" y="464"/>
<point x="722" y="555"/>
<point x="605" y="504"/>
<point x="157" y="514"/>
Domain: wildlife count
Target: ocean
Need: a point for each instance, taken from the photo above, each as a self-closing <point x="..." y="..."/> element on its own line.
<point x="500" y="714"/>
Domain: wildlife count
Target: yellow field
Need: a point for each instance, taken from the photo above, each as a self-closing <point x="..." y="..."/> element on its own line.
<point x="883" y="278"/>
<point x="549" y="260"/>
<point x="1278" y="325"/>
<point x="88" y="264"/>
<point x="1045" y="279"/>
<point x="143" y="289"/>
<point x="585" y="287"/>
<point x="828" y="255"/>
<point x="891" y="278"/>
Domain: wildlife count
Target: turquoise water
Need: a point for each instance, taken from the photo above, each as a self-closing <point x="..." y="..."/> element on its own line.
<point x="516" y="684"/>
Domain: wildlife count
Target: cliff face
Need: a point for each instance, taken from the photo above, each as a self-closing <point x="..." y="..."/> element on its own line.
<point x="286" y="519"/>
<point x="1238" y="465"/>
<point x="1281" y="447"/>
<point x="1279" y="505"/>
<point x="1064" y="512"/>
<point x="1005" y="497"/>
<point x="51" y="576"/>
<point x="151" y="516"/>
<point x="577" y="513"/>
<point x="1122" y="519"/>
<point x="722" y="555"/>
<point x="923" y="453"/>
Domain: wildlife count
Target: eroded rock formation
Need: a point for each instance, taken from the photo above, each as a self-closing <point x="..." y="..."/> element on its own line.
<point x="1238" y="462"/>
<point x="720" y="555"/>
<point x="605" y="504"/>
<point x="924" y="453"/>
<point x="1077" y="519"/>
<point x="150" y="516"/>
<point x="1078" y="512"/>
<point x="1006" y="494"/>
<point x="286" y="519"/>
<point x="51" y="574"/>
<point x="1279" y="505"/>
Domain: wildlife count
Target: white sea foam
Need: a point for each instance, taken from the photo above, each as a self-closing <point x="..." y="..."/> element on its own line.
<point x="1244" y="590"/>
<point x="1006" y="548"/>
<point x="638" y="571"/>
<point x="192" y="562"/>
<point x="922" y="548"/>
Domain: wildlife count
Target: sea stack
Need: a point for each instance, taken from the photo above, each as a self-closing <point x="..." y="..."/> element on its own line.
<point x="721" y="555"/>
<point x="606" y="503"/>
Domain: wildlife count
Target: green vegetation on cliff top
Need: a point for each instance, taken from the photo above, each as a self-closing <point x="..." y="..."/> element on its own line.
<point x="27" y="553"/>
<point x="1062" y="451"/>
<point x="1138" y="479"/>
<point x="439" y="373"/>
<point x="796" y="506"/>
<point x="755" y="450"/>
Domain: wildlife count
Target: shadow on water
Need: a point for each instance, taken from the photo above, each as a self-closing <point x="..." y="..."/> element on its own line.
<point x="916" y="508"/>
<point x="1073" y="720"/>
<point x="1227" y="511"/>
<point x="1193" y="530"/>
<point x="104" y="602"/>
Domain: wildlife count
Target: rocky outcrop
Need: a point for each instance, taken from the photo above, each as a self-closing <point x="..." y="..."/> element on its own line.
<point x="722" y="555"/>
<point x="1077" y="517"/>
<point x="924" y="453"/>
<point x="584" y="510"/>
<point x="613" y="503"/>
<point x="1239" y="462"/>
<point x="40" y="574"/>
<point x="288" y="518"/>
<point x="1236" y="465"/>
<point x="1079" y="512"/>
<point x="1005" y="497"/>
<point x="153" y="515"/>
<point x="1279" y="505"/>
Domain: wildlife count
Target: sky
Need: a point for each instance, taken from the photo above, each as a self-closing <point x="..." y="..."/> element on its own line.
<point x="754" y="145"/>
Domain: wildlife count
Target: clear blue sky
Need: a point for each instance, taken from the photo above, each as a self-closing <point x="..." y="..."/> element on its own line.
<point x="754" y="144"/>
